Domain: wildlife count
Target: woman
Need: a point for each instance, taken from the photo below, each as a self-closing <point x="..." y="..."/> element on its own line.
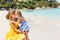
<point x="14" y="33"/>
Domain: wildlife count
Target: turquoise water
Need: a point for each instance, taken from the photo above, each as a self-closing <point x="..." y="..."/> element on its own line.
<point x="44" y="22"/>
<point x="51" y="12"/>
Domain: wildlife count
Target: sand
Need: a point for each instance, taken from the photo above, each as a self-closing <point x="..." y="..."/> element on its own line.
<point x="41" y="28"/>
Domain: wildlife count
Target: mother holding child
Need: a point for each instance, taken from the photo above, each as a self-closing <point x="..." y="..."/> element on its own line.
<point x="18" y="26"/>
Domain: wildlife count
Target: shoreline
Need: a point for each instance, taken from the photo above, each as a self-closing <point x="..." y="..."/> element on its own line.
<point x="41" y="27"/>
<point x="31" y="9"/>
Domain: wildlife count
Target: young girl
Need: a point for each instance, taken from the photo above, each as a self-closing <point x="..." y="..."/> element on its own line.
<point x="23" y="25"/>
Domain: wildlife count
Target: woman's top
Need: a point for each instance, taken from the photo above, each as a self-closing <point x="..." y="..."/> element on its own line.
<point x="12" y="35"/>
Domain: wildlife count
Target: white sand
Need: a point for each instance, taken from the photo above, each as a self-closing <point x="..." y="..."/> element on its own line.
<point x="41" y="28"/>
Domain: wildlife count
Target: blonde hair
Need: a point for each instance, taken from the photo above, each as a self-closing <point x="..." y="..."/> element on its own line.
<point x="8" y="16"/>
<point x="19" y="12"/>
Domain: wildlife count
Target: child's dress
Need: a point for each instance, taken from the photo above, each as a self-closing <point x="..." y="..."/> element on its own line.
<point x="24" y="26"/>
<point x="11" y="35"/>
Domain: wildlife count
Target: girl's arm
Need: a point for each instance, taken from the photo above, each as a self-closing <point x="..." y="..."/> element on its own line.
<point x="14" y="28"/>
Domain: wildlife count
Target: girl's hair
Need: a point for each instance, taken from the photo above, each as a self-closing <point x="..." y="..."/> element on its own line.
<point x="20" y="14"/>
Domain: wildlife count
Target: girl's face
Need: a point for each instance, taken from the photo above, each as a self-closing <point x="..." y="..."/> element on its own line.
<point x="16" y="14"/>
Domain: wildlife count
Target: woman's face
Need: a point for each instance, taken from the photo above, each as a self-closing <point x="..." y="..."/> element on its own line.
<point x="12" y="15"/>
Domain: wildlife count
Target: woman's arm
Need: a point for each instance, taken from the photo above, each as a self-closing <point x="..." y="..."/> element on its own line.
<point x="14" y="28"/>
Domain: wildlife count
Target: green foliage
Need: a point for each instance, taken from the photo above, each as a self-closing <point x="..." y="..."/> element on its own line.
<point x="29" y="4"/>
<point x="52" y="4"/>
<point x="25" y="4"/>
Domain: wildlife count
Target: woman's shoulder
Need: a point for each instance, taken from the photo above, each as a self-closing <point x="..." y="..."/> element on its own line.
<point x="12" y="22"/>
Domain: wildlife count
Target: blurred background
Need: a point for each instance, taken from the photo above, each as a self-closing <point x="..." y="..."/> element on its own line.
<point x="28" y="4"/>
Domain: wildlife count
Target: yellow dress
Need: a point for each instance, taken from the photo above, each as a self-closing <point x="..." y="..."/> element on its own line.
<point x="11" y="35"/>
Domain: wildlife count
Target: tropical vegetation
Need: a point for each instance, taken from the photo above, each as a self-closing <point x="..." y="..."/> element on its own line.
<point x="28" y="4"/>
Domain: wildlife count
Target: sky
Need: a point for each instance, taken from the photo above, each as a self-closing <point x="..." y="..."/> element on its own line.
<point x="58" y="1"/>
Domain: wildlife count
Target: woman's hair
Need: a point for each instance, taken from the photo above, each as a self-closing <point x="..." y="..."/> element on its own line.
<point x="8" y="16"/>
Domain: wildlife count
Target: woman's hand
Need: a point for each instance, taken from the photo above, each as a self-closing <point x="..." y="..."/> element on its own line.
<point x="20" y="32"/>
<point x="14" y="28"/>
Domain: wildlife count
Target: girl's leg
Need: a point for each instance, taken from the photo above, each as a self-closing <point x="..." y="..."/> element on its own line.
<point x="24" y="38"/>
<point x="26" y="35"/>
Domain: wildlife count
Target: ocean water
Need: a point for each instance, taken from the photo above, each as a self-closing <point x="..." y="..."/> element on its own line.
<point x="44" y="24"/>
<point x="52" y="12"/>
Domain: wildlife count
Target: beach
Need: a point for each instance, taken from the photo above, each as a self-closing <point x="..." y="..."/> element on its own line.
<point x="41" y="27"/>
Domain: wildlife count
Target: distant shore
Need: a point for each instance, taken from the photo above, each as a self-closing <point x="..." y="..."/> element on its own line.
<point x="40" y="4"/>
